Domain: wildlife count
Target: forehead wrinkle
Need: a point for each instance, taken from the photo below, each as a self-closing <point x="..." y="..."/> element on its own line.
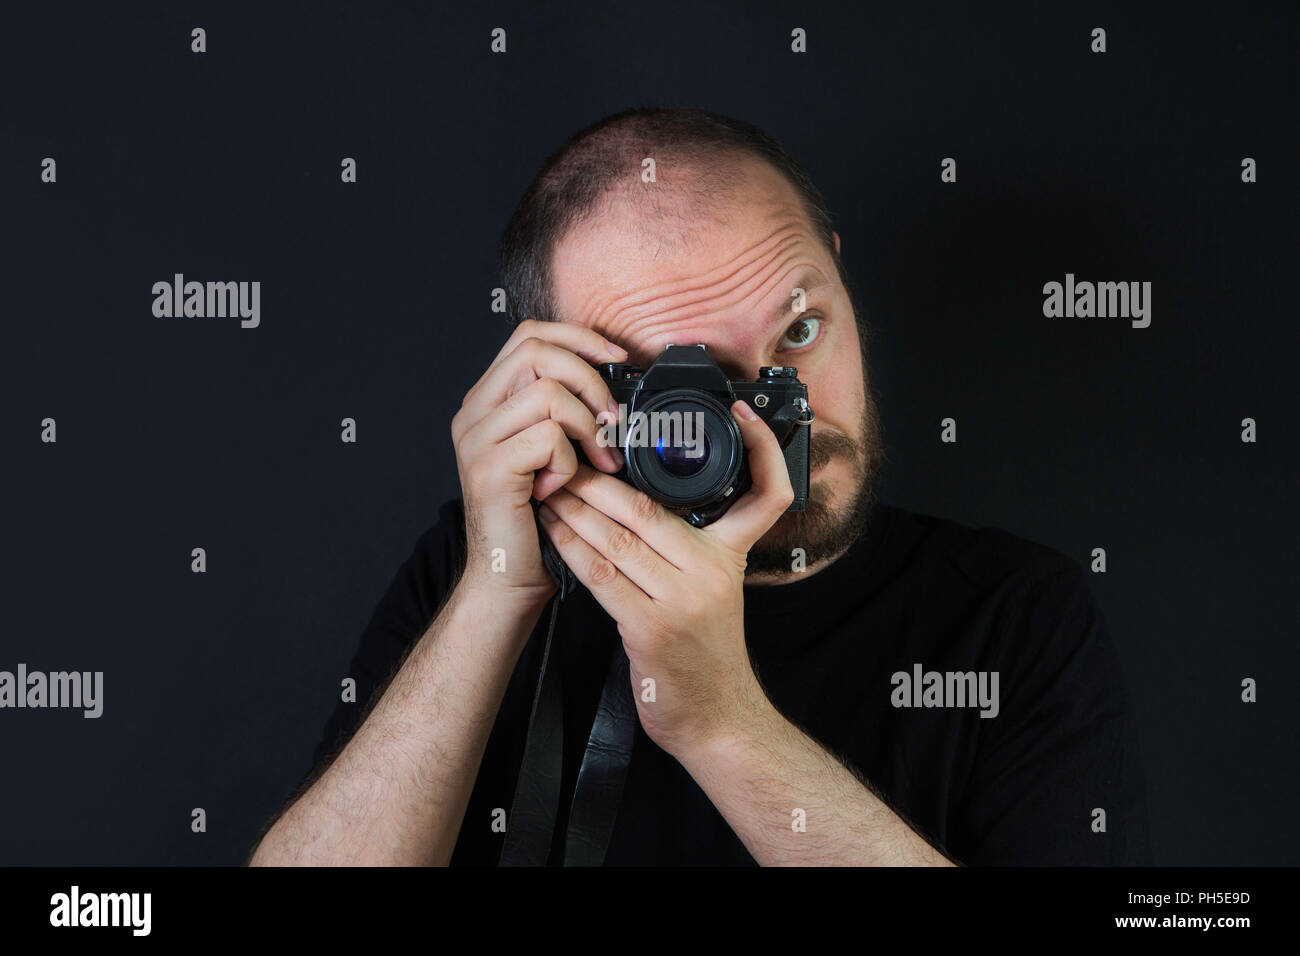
<point x="634" y="298"/>
<point x="755" y="271"/>
<point x="744" y="337"/>
<point x="704" y="300"/>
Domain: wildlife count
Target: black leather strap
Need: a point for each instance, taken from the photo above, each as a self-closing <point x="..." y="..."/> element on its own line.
<point x="604" y="768"/>
<point x="530" y="828"/>
<point x="531" y="823"/>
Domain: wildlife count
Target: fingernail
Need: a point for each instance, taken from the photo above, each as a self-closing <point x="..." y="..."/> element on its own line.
<point x="742" y="408"/>
<point x="617" y="351"/>
<point x="546" y="513"/>
<point x="618" y="457"/>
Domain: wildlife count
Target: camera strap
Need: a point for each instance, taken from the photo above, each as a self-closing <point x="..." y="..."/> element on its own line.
<point x="604" y="768"/>
<point x="531" y="823"/>
<point x="530" y="828"/>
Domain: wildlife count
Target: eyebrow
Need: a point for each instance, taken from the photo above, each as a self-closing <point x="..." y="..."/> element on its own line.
<point x="787" y="311"/>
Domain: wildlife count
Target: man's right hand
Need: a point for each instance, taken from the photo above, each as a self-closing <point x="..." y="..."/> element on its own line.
<point x="512" y="437"/>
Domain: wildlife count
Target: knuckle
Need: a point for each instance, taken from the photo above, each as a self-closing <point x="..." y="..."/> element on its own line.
<point x="513" y="400"/>
<point x="520" y="398"/>
<point x="530" y="347"/>
<point x="551" y="388"/>
<point x="645" y="508"/>
<point x="552" y="431"/>
<point x="622" y="541"/>
<point x="601" y="570"/>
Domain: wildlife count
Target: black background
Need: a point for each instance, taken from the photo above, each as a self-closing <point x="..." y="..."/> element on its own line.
<point x="183" y="433"/>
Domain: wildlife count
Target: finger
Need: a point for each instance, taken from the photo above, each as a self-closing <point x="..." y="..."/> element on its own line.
<point x="579" y="339"/>
<point x="650" y="521"/>
<point x="638" y="562"/>
<point x="532" y="360"/>
<point x="545" y="398"/>
<point x="542" y="448"/>
<point x="771" y="492"/>
<point x="622" y="599"/>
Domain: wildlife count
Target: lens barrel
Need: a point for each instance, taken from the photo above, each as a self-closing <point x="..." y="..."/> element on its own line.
<point x="683" y="448"/>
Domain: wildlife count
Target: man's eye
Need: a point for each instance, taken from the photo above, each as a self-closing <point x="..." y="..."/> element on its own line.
<point x="801" y="333"/>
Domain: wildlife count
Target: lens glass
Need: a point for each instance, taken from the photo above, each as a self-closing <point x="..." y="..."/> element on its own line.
<point x="681" y="460"/>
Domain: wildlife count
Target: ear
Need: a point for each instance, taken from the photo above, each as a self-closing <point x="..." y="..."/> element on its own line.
<point x="836" y="236"/>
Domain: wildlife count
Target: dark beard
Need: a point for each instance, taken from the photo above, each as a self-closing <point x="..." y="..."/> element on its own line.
<point x="821" y="530"/>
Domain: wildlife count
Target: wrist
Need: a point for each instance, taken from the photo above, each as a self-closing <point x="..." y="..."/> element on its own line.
<point x="494" y="591"/>
<point x="750" y="720"/>
<point x="501" y="608"/>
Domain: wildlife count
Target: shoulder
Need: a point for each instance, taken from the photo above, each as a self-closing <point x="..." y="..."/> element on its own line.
<point x="1065" y="723"/>
<point x="984" y="556"/>
<point x="969" y="566"/>
<point x="1044" y="628"/>
<point x="1025" y="607"/>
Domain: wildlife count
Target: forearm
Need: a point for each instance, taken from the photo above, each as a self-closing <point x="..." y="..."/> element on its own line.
<point x="396" y="794"/>
<point x="760" y="775"/>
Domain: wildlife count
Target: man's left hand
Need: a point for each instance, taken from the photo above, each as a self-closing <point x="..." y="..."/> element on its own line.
<point x="676" y="591"/>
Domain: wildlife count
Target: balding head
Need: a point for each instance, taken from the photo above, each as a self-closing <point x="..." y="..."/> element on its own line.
<point x="600" y="170"/>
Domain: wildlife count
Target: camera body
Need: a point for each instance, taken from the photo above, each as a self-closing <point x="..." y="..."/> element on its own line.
<point x="680" y="443"/>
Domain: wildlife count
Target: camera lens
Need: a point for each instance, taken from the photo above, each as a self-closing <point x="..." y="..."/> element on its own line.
<point x="679" y="460"/>
<point x="685" y="451"/>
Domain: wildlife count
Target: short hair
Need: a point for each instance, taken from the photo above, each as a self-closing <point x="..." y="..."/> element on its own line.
<point x="583" y="176"/>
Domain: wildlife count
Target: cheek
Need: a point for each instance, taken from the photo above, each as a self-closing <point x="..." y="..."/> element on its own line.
<point x="835" y="391"/>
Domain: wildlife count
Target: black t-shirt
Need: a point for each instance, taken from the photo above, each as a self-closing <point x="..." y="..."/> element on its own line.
<point x="915" y="594"/>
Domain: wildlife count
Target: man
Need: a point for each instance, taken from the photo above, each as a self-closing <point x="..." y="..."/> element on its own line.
<point x="800" y="715"/>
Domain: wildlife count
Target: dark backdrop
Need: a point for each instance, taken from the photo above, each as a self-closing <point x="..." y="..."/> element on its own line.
<point x="175" y="434"/>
